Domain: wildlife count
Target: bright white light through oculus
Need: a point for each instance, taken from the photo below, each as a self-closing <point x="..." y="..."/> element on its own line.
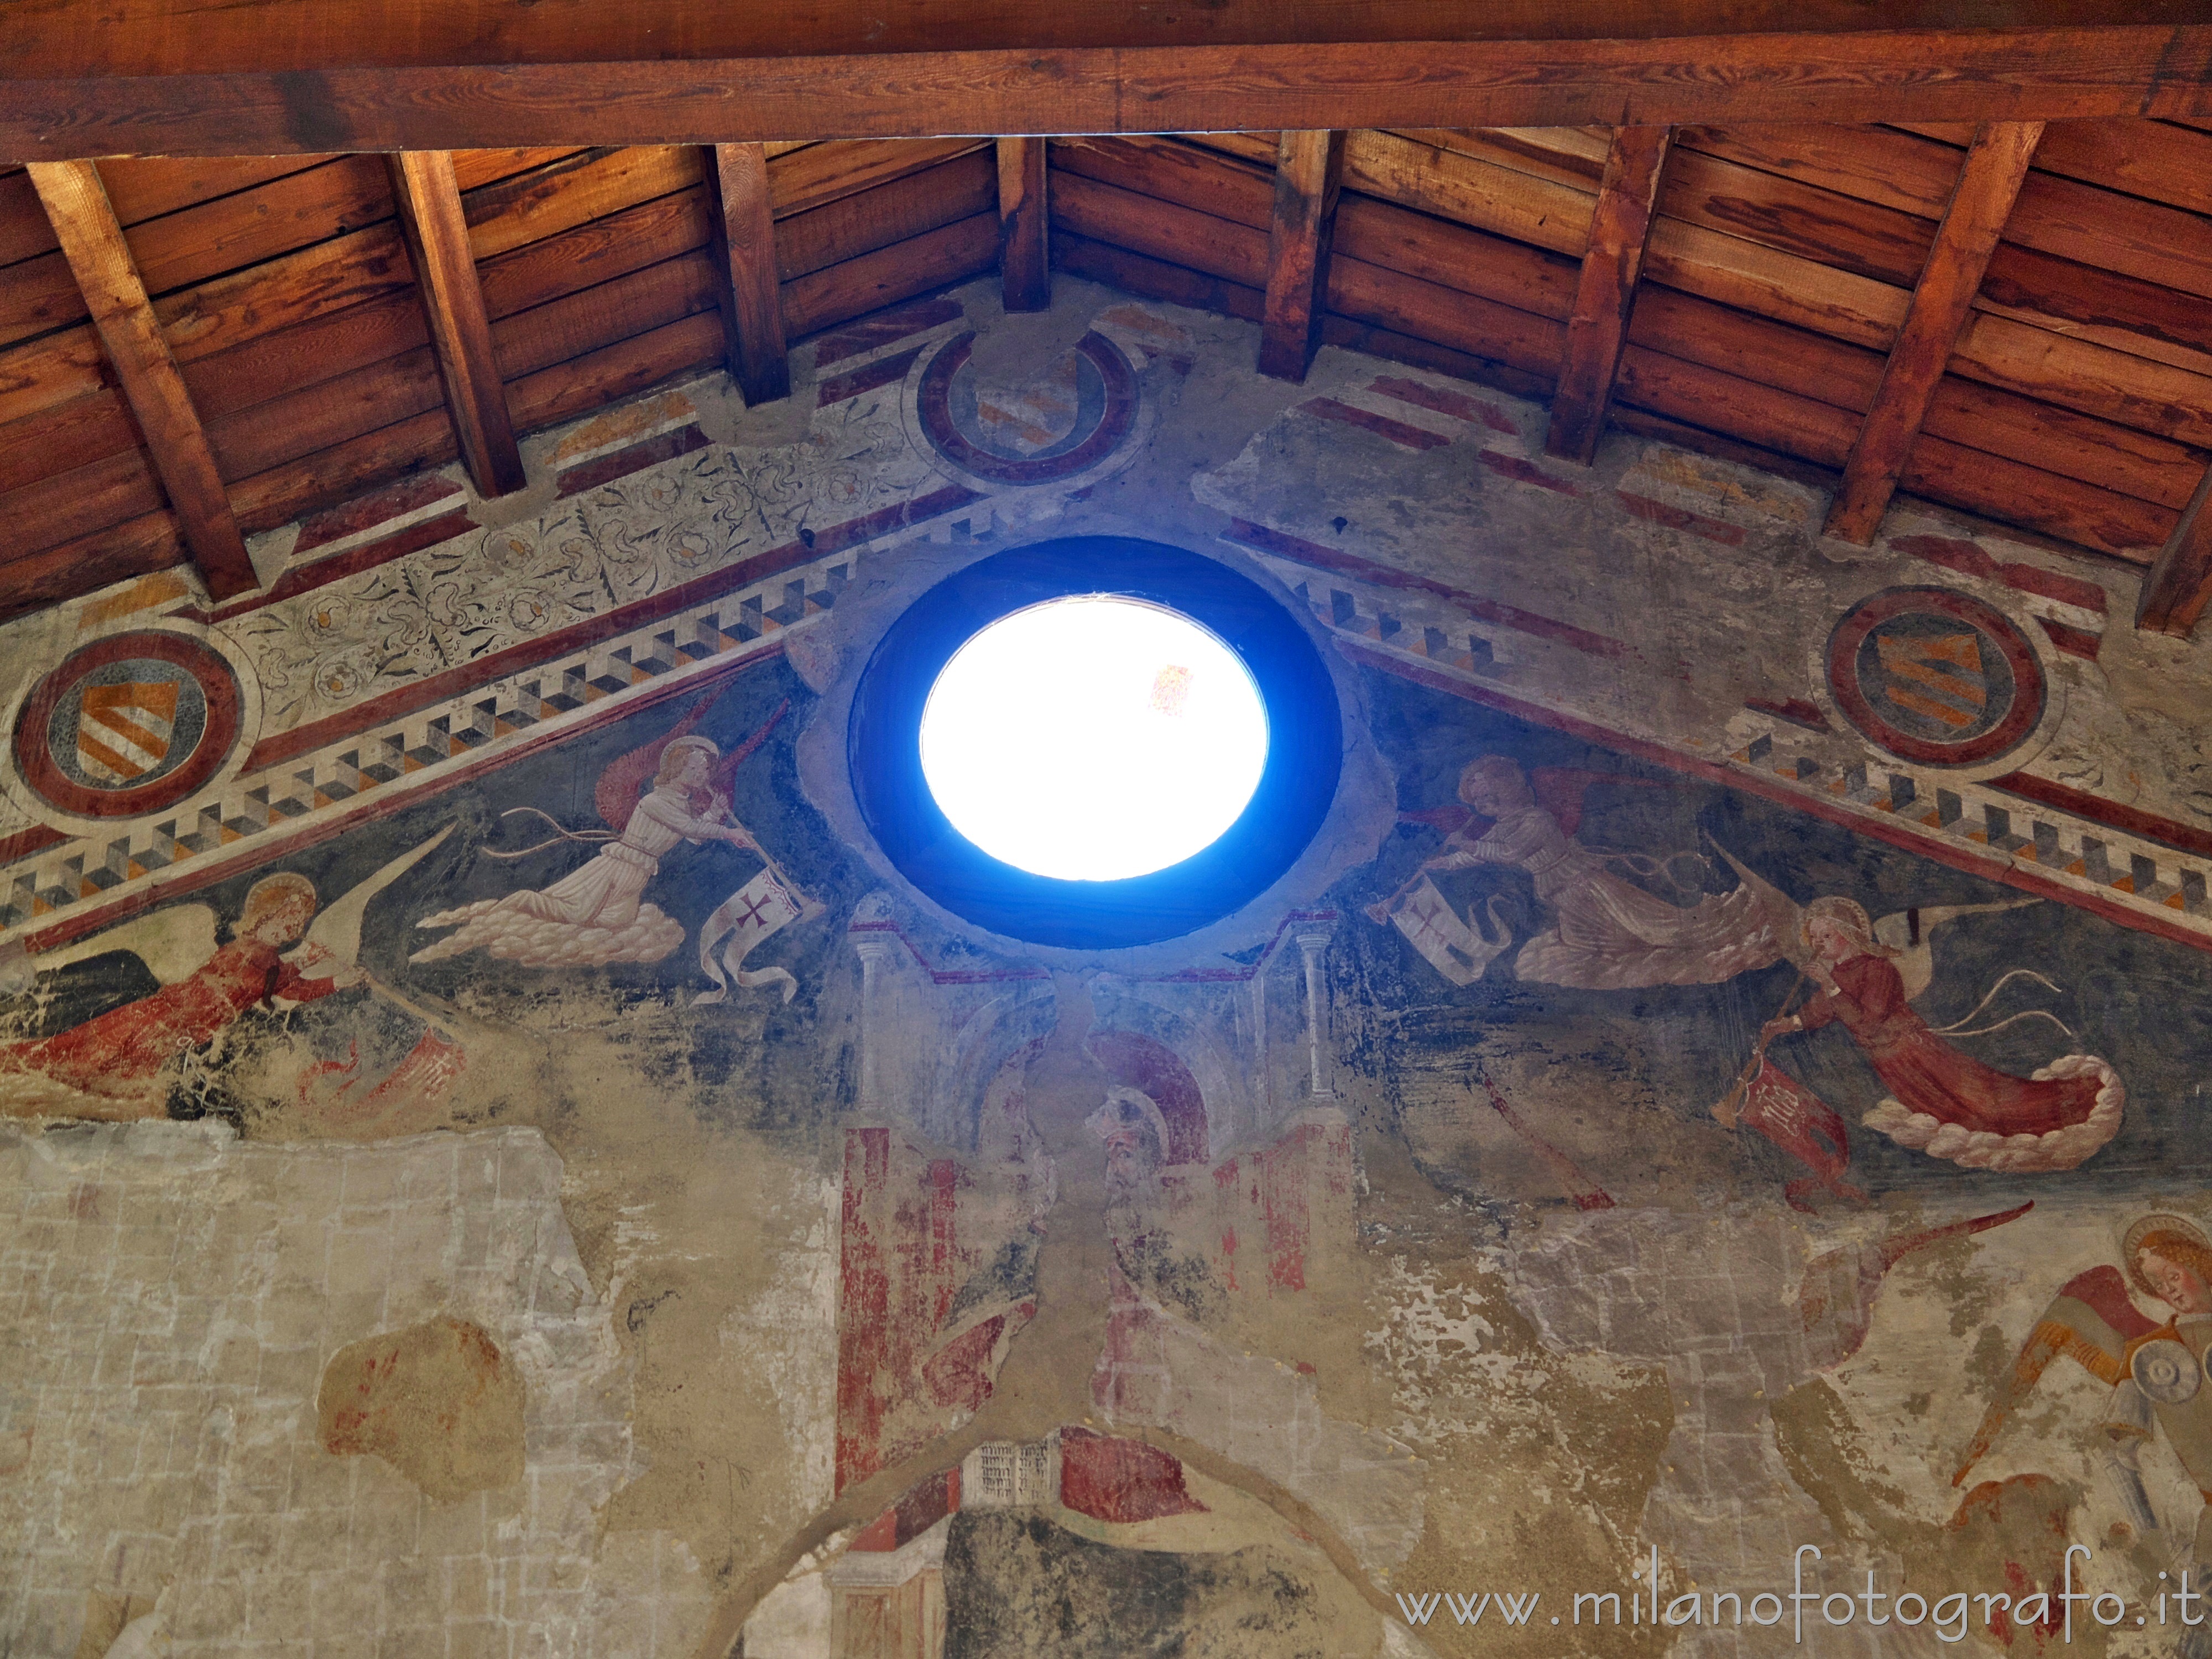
<point x="1093" y="739"/>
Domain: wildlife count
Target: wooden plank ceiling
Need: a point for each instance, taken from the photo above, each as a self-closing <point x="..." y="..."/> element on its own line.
<point x="1738" y="288"/>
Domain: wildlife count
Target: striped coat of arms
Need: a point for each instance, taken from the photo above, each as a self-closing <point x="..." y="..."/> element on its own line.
<point x="123" y="731"/>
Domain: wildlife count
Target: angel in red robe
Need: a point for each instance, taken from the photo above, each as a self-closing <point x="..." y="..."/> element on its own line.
<point x="1943" y="1102"/>
<point x="114" y="1065"/>
<point x="1606" y="932"/>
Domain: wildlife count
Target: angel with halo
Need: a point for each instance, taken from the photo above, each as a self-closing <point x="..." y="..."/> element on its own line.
<point x="597" y="914"/>
<point x="2156" y="1370"/>
<point x="1607" y="933"/>
<point x="1943" y="1101"/>
<point x="121" y="1064"/>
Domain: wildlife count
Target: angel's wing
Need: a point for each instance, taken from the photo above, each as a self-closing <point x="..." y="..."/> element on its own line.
<point x="173" y="943"/>
<point x="337" y="924"/>
<point x="1911" y="933"/>
<point x="723" y="779"/>
<point x="1780" y="912"/>
<point x="625" y="777"/>
<point x="1560" y="791"/>
<point x="2091" y="1322"/>
<point x="1451" y="819"/>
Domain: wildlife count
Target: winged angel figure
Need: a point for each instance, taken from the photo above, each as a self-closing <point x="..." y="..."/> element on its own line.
<point x="1606" y="932"/>
<point x="2156" y="1370"/>
<point x="671" y="791"/>
<point x="122" y="1063"/>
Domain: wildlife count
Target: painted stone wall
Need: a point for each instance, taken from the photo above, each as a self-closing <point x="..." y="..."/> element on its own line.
<point x="498" y="1162"/>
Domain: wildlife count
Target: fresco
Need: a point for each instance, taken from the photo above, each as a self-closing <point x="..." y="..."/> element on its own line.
<point x="455" y="1045"/>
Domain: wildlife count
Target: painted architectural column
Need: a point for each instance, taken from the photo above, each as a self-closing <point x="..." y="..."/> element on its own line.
<point x="872" y="942"/>
<point x="1263" y="1062"/>
<point x="1311" y="943"/>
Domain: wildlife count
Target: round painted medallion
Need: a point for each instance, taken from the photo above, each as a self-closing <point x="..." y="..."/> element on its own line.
<point x="131" y="724"/>
<point x="1055" y="425"/>
<point x="1935" y="676"/>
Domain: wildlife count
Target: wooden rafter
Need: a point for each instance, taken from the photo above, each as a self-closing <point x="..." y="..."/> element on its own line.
<point x="2179" y="584"/>
<point x="1024" y="267"/>
<point x="1308" y="176"/>
<point x="100" y="258"/>
<point x="277" y="77"/>
<point x="1606" y="292"/>
<point x="428" y="194"/>
<point x="745" y="275"/>
<point x="1943" y="300"/>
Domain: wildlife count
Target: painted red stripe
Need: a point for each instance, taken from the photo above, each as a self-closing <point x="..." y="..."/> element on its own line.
<point x="1878" y="827"/>
<point x="2182" y="837"/>
<point x="882" y="331"/>
<point x="1381" y="576"/>
<point x="1969" y="559"/>
<point x="381" y="803"/>
<point x="1445" y="402"/>
<point x="336" y="523"/>
<point x="1795" y="710"/>
<point x="1413" y="437"/>
<point x="1679" y="518"/>
<point x="1521" y="471"/>
<point x="24" y="843"/>
<point x="2074" y="641"/>
<point x="279" y="747"/>
<point x="2051" y="585"/>
<point x="651" y="452"/>
<point x="320" y="574"/>
<point x="866" y="377"/>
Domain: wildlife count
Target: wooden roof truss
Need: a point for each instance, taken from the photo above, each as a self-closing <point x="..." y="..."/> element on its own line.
<point x="1994" y="291"/>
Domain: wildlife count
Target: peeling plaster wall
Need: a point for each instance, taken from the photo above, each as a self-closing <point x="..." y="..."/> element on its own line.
<point x="923" y="1293"/>
<point x="176" y="1297"/>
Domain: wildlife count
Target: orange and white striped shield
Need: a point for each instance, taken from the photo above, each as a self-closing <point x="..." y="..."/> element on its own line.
<point x="123" y="731"/>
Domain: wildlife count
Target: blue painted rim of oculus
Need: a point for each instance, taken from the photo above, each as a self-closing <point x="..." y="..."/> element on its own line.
<point x="1304" y="749"/>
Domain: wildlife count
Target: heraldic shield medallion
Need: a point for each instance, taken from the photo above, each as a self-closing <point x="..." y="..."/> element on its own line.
<point x="1935" y="676"/>
<point x="129" y="725"/>
<point x="1051" y="427"/>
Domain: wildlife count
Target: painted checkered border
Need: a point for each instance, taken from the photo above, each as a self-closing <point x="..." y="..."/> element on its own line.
<point x="374" y="770"/>
<point x="2110" y="868"/>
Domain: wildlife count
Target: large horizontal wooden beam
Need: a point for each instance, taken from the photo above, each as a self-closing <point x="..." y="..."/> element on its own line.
<point x="92" y="242"/>
<point x="280" y="76"/>
<point x="150" y="37"/>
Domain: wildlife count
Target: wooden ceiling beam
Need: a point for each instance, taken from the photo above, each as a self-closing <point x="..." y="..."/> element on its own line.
<point x="1309" y="178"/>
<point x="92" y="242"/>
<point x="429" y="195"/>
<point x="1605" y="293"/>
<point x="1942" y="301"/>
<point x="146" y="37"/>
<point x="87" y="77"/>
<point x="1024" y="263"/>
<point x="2178" y="583"/>
<point x="745" y="278"/>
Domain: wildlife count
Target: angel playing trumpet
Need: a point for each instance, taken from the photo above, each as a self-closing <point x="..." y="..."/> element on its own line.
<point x="598" y="913"/>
